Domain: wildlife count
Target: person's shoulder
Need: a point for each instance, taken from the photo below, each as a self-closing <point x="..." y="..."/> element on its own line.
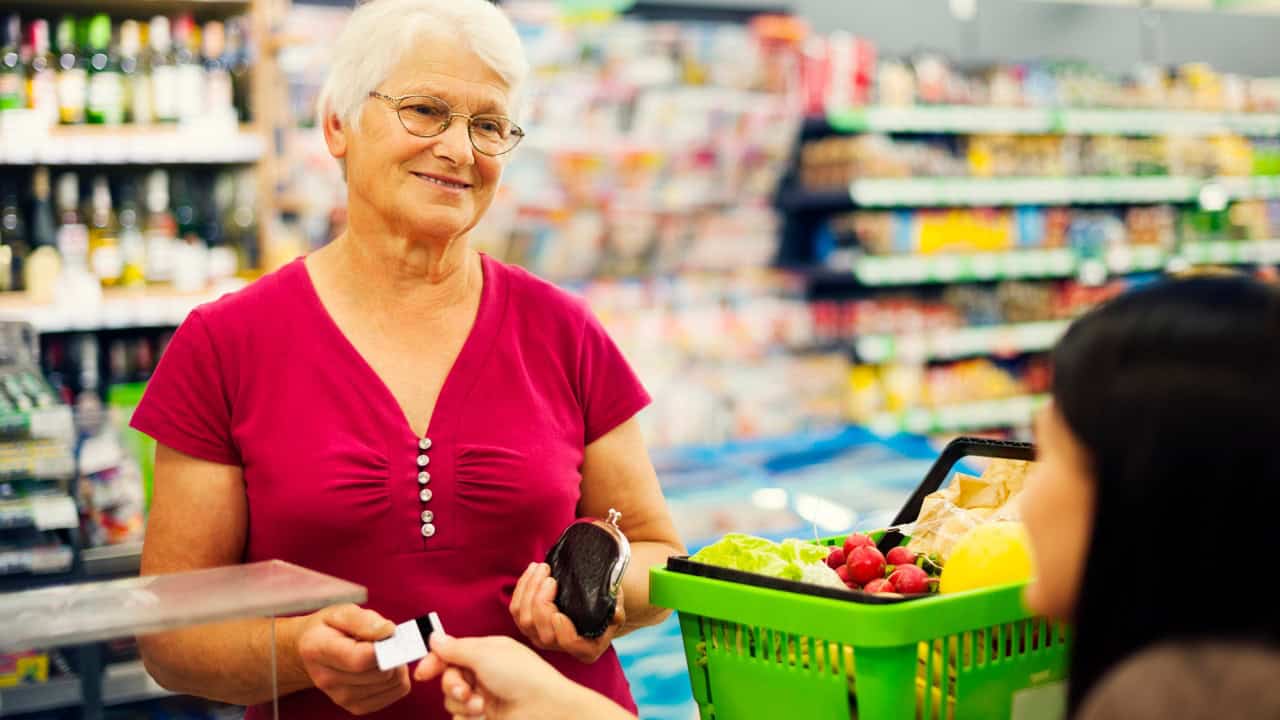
<point x="1190" y="681"/>
<point x="263" y="302"/>
<point x="554" y="303"/>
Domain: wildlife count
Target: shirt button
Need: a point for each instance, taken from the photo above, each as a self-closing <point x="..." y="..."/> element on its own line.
<point x="424" y="477"/>
<point x="425" y="495"/>
<point x="428" y="529"/>
<point x="424" y="444"/>
<point x="428" y="516"/>
<point x="423" y="460"/>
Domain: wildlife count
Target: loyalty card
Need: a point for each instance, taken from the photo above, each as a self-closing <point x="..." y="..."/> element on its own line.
<point x="409" y="643"/>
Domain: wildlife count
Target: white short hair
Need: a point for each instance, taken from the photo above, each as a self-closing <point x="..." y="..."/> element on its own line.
<point x="380" y="33"/>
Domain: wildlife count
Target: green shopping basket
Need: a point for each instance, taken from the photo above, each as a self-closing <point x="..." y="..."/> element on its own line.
<point x="762" y="647"/>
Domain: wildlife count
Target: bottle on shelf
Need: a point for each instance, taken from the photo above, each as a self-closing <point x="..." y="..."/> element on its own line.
<point x="242" y="223"/>
<point x="191" y="254"/>
<point x="191" y="76"/>
<point x="13" y="240"/>
<point x="42" y="72"/>
<point x="105" y="256"/>
<point x="133" y="244"/>
<point x="160" y="229"/>
<point x="72" y="74"/>
<point x="73" y="231"/>
<point x="12" y="73"/>
<point x="223" y="259"/>
<point x="44" y="264"/>
<point x="219" y="100"/>
<point x="105" y="102"/>
<point x="238" y="61"/>
<point x="164" y="72"/>
<point x="135" y="84"/>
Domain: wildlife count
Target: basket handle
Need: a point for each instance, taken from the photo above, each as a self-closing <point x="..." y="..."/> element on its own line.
<point x="954" y="452"/>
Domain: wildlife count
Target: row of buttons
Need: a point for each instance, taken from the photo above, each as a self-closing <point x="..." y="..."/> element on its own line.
<point x="424" y="493"/>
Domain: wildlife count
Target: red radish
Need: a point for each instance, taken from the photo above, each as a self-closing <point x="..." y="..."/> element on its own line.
<point x="879" y="586"/>
<point x="835" y="558"/>
<point x="843" y="572"/>
<point x="865" y="564"/>
<point x="854" y="541"/>
<point x="910" y="580"/>
<point x="900" y="556"/>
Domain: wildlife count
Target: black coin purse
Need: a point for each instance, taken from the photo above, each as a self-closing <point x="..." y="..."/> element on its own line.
<point x="588" y="562"/>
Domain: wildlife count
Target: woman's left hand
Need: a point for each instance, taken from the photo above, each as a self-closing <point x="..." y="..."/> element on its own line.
<point x="534" y="609"/>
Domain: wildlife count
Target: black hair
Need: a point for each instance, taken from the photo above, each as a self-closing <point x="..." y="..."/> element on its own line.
<point x="1174" y="391"/>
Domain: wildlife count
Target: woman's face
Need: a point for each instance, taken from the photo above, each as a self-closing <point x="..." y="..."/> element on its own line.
<point x="436" y="187"/>
<point x="1057" y="508"/>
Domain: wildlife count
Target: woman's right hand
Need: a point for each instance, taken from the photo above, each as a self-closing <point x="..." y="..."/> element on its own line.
<point x="335" y="646"/>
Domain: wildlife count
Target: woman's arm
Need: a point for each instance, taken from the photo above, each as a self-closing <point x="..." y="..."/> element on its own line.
<point x="199" y="519"/>
<point x="617" y="473"/>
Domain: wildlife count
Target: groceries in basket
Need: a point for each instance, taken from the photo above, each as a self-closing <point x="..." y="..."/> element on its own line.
<point x="965" y="537"/>
<point x="788" y="560"/>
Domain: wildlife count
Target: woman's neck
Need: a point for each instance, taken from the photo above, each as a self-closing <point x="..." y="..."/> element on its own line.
<point x="391" y="270"/>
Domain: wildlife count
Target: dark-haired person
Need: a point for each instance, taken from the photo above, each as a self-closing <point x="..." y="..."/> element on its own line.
<point x="1159" y="462"/>
<point x="1148" y="512"/>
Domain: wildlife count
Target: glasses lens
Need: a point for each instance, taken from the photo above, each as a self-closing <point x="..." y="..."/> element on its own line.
<point x="493" y="134"/>
<point x="424" y="116"/>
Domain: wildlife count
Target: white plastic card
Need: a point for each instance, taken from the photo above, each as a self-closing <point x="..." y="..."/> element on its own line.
<point x="409" y="643"/>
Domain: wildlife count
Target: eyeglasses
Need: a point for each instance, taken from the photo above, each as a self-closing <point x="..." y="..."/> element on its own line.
<point x="426" y="116"/>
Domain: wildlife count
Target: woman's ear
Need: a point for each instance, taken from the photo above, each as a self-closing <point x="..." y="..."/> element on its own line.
<point x="335" y="135"/>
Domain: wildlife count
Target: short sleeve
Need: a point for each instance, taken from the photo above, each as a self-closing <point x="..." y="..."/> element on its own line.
<point x="609" y="390"/>
<point x="186" y="405"/>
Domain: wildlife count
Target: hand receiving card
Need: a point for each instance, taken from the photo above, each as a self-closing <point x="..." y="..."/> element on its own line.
<point x="409" y="643"/>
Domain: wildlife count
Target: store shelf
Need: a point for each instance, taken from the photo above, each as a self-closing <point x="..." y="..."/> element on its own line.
<point x="885" y="270"/>
<point x="43" y="459"/>
<point x="112" y="560"/>
<point x="961" y="119"/>
<point x="1007" y="412"/>
<point x="142" y="8"/>
<point x="131" y="145"/>
<point x="118" y="310"/>
<point x="904" y="270"/>
<point x="48" y="423"/>
<point x="121" y="683"/>
<point x="53" y="512"/>
<point x="37" y="561"/>
<point x="983" y="192"/>
<point x="952" y="344"/>
<point x="942" y="119"/>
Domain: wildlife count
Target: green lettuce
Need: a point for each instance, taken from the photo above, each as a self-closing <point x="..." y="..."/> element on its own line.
<point x="789" y="560"/>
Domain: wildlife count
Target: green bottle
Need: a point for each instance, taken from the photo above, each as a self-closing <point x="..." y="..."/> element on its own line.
<point x="12" y="74"/>
<point x="73" y="78"/>
<point x="105" y="105"/>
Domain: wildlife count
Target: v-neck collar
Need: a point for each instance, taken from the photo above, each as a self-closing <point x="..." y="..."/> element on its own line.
<point x="461" y="377"/>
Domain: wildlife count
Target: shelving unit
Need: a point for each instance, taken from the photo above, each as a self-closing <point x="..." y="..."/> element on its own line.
<point x="956" y="343"/>
<point x="874" y="271"/>
<point x="993" y="192"/>
<point x="964" y="417"/>
<point x="961" y="119"/>
<point x="43" y="441"/>
<point x="134" y="145"/>
<point x="150" y="308"/>
<point x="122" y="683"/>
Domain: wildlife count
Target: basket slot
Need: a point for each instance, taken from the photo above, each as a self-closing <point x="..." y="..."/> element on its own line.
<point x="937" y="678"/>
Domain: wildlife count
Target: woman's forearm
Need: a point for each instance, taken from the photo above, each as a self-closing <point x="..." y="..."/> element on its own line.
<point x="229" y="662"/>
<point x="635" y="584"/>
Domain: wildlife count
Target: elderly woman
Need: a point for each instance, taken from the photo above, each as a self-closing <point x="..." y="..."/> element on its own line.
<point x="396" y="409"/>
